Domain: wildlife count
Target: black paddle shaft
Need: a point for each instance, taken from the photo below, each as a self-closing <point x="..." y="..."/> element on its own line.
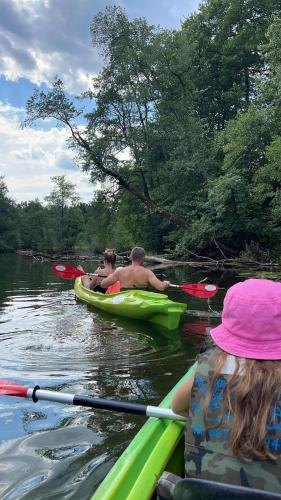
<point x="107" y="404"/>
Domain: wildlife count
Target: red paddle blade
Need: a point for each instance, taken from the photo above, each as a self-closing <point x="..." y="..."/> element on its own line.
<point x="9" y="388"/>
<point x="201" y="290"/>
<point x="67" y="272"/>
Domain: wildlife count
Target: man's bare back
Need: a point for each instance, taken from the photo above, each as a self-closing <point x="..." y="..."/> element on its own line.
<point x="135" y="276"/>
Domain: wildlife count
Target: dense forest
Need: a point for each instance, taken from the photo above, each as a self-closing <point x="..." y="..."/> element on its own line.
<point x="183" y="137"/>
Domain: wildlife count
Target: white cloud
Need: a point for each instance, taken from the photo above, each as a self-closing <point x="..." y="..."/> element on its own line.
<point x="29" y="157"/>
<point x="40" y="39"/>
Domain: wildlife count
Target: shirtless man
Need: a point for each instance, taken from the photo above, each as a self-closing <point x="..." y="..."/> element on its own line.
<point x="135" y="276"/>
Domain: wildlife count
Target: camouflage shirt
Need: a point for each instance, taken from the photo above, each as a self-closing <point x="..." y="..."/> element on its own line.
<point x="207" y="451"/>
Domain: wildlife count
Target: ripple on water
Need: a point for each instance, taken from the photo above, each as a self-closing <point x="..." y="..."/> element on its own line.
<point x="62" y="339"/>
<point x="43" y="457"/>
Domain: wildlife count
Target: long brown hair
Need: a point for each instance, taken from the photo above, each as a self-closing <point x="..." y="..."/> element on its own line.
<point x="109" y="256"/>
<point x="249" y="395"/>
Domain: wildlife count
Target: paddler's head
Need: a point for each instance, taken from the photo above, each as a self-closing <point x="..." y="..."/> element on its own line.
<point x="137" y="255"/>
<point x="109" y="257"/>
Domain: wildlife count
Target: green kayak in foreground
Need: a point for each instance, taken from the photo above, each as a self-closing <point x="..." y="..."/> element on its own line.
<point x="156" y="308"/>
<point x="158" y="446"/>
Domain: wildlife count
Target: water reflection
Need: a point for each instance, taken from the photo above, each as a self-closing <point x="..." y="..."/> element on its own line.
<point x="197" y="328"/>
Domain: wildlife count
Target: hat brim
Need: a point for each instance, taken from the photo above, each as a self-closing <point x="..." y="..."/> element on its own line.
<point x="244" y="348"/>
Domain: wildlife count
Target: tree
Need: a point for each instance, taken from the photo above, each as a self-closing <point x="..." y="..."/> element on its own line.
<point x="62" y="204"/>
<point x="9" y="223"/>
<point x="35" y="226"/>
<point x="226" y="57"/>
<point x="251" y="168"/>
<point x="124" y="109"/>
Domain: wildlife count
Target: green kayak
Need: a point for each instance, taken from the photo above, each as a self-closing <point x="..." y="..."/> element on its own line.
<point x="156" y="308"/>
<point x="158" y="446"/>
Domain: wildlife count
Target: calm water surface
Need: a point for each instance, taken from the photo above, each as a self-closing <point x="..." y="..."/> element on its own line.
<point x="50" y="450"/>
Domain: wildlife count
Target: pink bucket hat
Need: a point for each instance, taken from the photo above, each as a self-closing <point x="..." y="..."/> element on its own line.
<point x="251" y="320"/>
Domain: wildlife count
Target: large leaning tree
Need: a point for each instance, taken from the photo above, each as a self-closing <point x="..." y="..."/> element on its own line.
<point x="115" y="139"/>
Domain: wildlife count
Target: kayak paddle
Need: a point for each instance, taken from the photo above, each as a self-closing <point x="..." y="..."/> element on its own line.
<point x="9" y="388"/>
<point x="200" y="290"/>
<point x="70" y="273"/>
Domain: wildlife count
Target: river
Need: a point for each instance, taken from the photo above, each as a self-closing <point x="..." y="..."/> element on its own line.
<point x="50" y="450"/>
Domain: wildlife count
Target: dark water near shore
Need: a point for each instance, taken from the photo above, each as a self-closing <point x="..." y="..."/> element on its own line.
<point x="49" y="450"/>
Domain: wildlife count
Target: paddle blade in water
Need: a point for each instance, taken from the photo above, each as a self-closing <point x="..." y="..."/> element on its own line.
<point x="201" y="290"/>
<point x="199" y="328"/>
<point x="67" y="272"/>
<point x="9" y="388"/>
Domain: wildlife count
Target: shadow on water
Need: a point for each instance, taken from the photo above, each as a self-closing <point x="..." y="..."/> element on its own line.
<point x="48" y="450"/>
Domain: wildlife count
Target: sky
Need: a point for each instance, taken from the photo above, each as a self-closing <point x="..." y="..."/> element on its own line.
<point x="40" y="39"/>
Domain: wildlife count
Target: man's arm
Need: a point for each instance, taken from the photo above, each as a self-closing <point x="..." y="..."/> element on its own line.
<point x="110" y="280"/>
<point x="95" y="278"/>
<point x="156" y="283"/>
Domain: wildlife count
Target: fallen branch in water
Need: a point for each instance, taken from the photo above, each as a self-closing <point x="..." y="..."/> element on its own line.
<point x="156" y="262"/>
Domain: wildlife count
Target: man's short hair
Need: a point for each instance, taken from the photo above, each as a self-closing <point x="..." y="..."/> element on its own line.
<point x="137" y="254"/>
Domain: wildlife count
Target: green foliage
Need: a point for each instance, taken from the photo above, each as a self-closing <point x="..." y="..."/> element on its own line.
<point x="183" y="133"/>
<point x="226" y="36"/>
<point x="9" y="227"/>
<point x="98" y="222"/>
<point x="272" y="86"/>
<point x="35" y="226"/>
<point x="64" y="213"/>
<point x="52" y="104"/>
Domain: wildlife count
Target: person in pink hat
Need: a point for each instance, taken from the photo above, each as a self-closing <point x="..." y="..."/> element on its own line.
<point x="233" y="401"/>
